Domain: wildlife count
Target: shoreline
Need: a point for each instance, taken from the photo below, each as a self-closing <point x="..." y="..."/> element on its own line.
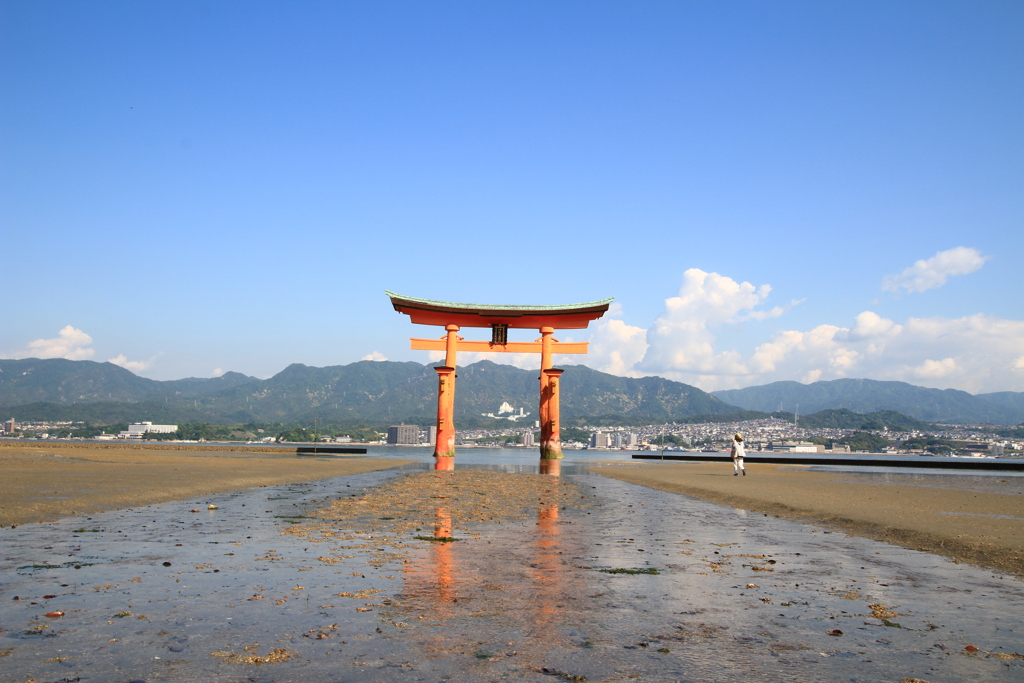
<point x="197" y="447"/>
<point x="983" y="528"/>
<point x="41" y="486"/>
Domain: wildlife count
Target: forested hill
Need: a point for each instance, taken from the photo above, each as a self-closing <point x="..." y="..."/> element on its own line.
<point x="868" y="396"/>
<point x="56" y="380"/>
<point x="1008" y="399"/>
<point x="841" y="418"/>
<point x="366" y="391"/>
<point x="585" y="392"/>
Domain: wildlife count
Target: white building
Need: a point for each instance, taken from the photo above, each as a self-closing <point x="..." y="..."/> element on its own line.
<point x="507" y="412"/>
<point x="806" y="447"/>
<point x="137" y="430"/>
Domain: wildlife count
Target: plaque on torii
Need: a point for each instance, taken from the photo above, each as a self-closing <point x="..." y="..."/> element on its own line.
<point x="454" y="317"/>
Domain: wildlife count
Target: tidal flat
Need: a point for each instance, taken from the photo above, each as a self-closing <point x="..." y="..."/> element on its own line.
<point x="484" y="575"/>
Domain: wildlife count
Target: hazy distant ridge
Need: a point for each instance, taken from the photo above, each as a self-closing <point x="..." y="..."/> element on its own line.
<point x="866" y="396"/>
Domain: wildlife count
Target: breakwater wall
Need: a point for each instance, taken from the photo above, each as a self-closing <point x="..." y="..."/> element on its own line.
<point x="991" y="464"/>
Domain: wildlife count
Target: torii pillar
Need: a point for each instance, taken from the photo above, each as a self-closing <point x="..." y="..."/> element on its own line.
<point x="444" y="447"/>
<point x="454" y="317"/>
<point x="550" y="439"/>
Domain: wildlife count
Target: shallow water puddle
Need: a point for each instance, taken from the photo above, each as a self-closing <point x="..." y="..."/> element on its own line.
<point x="486" y="576"/>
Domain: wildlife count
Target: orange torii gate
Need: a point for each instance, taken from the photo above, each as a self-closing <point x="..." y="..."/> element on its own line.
<point x="454" y="317"/>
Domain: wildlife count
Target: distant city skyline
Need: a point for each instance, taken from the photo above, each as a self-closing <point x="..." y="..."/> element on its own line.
<point x="772" y="191"/>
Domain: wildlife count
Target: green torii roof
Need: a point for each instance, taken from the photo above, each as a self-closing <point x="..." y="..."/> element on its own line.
<point x="433" y="312"/>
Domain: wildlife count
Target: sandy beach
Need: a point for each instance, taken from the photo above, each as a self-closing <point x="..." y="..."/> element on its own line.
<point x="980" y="526"/>
<point x="49" y="481"/>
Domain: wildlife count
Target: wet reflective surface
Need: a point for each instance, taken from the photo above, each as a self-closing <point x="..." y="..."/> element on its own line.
<point x="560" y="579"/>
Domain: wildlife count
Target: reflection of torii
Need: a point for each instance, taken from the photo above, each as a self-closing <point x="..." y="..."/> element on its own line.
<point x="454" y="317"/>
<point x="441" y="582"/>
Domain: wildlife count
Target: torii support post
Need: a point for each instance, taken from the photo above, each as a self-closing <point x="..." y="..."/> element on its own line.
<point x="550" y="430"/>
<point x="550" y="439"/>
<point x="444" y="449"/>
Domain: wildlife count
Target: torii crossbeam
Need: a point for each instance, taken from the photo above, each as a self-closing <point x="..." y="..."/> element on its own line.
<point x="455" y="316"/>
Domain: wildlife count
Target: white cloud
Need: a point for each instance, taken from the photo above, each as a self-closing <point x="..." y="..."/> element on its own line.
<point x="70" y="343"/>
<point x="615" y="347"/>
<point x="217" y="372"/>
<point x="820" y="353"/>
<point x="933" y="272"/>
<point x="935" y="369"/>
<point x="74" y="344"/>
<point x="681" y="340"/>
<point x="869" y="325"/>
<point x="134" y="365"/>
<point x="376" y="355"/>
<point x="977" y="353"/>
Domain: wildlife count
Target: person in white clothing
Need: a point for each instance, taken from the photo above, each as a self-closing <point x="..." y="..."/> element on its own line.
<point x="738" y="453"/>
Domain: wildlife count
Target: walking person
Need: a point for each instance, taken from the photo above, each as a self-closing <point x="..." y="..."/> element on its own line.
<point x="738" y="453"/>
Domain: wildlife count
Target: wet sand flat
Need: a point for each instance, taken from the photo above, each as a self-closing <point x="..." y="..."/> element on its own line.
<point x="982" y="526"/>
<point x="42" y="483"/>
<point x="479" y="575"/>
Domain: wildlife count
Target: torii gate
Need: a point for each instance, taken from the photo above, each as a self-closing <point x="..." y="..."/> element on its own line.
<point x="453" y="317"/>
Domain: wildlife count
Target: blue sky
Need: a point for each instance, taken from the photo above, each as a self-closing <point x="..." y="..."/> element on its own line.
<point x="769" y="190"/>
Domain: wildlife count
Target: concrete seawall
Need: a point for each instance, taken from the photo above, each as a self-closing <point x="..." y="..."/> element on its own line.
<point x="869" y="460"/>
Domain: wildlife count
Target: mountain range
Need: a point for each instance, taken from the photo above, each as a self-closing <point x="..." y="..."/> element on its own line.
<point x="364" y="392"/>
<point x="867" y="395"/>
<point x="378" y="392"/>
